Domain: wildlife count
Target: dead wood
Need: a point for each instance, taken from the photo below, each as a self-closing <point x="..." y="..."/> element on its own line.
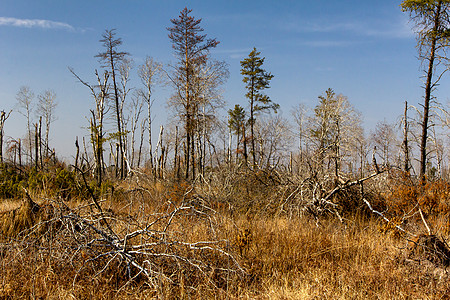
<point x="431" y="248"/>
<point x="27" y="215"/>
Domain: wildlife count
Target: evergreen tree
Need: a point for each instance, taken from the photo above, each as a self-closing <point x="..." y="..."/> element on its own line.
<point x="432" y="18"/>
<point x="256" y="80"/>
<point x="191" y="47"/>
<point x="236" y="122"/>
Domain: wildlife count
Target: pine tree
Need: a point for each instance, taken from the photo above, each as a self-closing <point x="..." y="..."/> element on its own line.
<point x="256" y="80"/>
<point x="192" y="48"/>
<point x="433" y="28"/>
<point x="236" y="122"/>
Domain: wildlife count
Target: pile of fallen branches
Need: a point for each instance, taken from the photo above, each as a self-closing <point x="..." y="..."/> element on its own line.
<point x="154" y="247"/>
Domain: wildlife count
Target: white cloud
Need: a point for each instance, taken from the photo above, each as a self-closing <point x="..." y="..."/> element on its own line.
<point x="396" y="29"/>
<point x="34" y="23"/>
<point x="326" y="43"/>
<point x="235" y="53"/>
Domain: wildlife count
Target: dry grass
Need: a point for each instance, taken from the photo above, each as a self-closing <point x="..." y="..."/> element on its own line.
<point x="283" y="258"/>
<point x="8" y="205"/>
<point x="294" y="259"/>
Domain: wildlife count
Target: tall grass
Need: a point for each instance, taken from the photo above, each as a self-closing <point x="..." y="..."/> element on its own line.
<point x="283" y="256"/>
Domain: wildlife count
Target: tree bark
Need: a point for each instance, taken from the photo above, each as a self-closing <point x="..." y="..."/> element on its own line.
<point x="428" y="87"/>
<point x="405" y="140"/>
<point x="36" y="147"/>
<point x="3" y="118"/>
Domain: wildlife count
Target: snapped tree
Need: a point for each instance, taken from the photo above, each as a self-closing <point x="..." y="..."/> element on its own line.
<point x="3" y="117"/>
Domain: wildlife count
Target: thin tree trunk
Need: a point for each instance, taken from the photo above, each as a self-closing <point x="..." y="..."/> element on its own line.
<point x="159" y="145"/>
<point x="188" y="112"/>
<point x="119" y="120"/>
<point x="238" y="141"/>
<point x="428" y="87"/>
<point x="36" y="147"/>
<point x="229" y="147"/>
<point x="30" y="138"/>
<point x="405" y="140"/>
<point x="175" y="164"/>
<point x="2" y="123"/>
<point x="20" y="153"/>
<point x="141" y="143"/>
<point x="78" y="153"/>
<point x="199" y="153"/>
<point x="252" y="123"/>
<point x="204" y="143"/>
<point x="40" y="142"/>
<point x="245" y="144"/>
<point x="193" y="156"/>
<point x="1" y="145"/>
<point x="3" y="118"/>
<point x="132" y="145"/>
<point x="86" y="153"/>
<point x="150" y="148"/>
<point x="187" y="150"/>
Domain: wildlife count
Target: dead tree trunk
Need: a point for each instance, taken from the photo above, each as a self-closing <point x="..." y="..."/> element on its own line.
<point x="78" y="152"/>
<point x="3" y="118"/>
<point x="175" y="163"/>
<point x="40" y="143"/>
<point x="428" y="88"/>
<point x="36" y="147"/>
<point x="406" y="165"/>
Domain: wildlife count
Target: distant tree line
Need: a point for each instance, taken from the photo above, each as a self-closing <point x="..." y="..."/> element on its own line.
<point x="325" y="139"/>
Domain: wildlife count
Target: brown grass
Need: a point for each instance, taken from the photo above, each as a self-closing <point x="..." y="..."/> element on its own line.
<point x="283" y="258"/>
<point x="17" y="219"/>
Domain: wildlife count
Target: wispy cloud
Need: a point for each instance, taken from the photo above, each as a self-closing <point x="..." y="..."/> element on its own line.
<point x="34" y="23"/>
<point x="398" y="29"/>
<point x="235" y="53"/>
<point x="326" y="43"/>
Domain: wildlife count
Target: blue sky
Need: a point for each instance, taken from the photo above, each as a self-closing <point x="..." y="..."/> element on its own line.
<point x="362" y="49"/>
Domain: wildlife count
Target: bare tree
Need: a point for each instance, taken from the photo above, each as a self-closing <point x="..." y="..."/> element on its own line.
<point x="209" y="77"/>
<point x="124" y="67"/>
<point x="136" y="109"/>
<point x="274" y="140"/>
<point x="300" y="117"/>
<point x="149" y="72"/>
<point x="437" y="151"/>
<point x="331" y="129"/>
<point x="3" y="117"/>
<point x="111" y="59"/>
<point x="46" y="109"/>
<point x="100" y="93"/>
<point x="385" y="139"/>
<point x="25" y="101"/>
<point x="360" y="147"/>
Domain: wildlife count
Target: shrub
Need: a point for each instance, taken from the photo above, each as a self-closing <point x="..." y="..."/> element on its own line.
<point x="11" y="182"/>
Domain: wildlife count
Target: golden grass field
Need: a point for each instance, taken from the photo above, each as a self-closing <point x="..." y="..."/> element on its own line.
<point x="264" y="255"/>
